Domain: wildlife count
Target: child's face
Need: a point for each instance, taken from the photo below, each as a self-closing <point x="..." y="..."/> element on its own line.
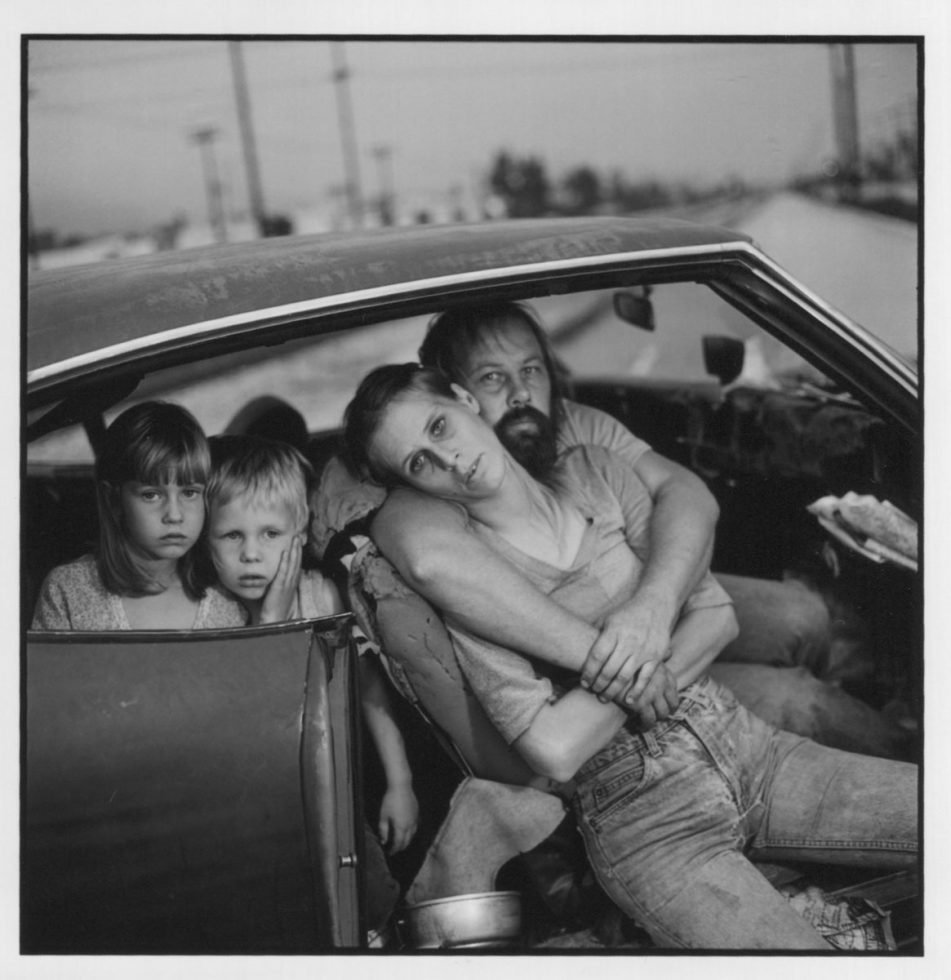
<point x="162" y="520"/>
<point x="246" y="537"/>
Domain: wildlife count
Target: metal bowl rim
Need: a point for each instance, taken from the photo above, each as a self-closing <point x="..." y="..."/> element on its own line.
<point x="468" y="897"/>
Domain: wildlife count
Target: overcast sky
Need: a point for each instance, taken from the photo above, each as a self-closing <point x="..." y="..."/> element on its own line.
<point x="109" y="120"/>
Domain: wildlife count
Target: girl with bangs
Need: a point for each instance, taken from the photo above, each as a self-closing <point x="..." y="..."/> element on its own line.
<point x="150" y="481"/>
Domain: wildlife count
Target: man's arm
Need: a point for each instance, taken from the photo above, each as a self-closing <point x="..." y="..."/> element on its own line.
<point x="680" y="546"/>
<point x="696" y="642"/>
<point x="564" y="735"/>
<point x="431" y="545"/>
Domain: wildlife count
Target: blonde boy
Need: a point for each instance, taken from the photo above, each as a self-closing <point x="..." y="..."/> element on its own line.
<point x="258" y="515"/>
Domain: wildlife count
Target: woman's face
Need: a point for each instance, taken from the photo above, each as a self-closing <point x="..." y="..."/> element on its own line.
<point x="440" y="446"/>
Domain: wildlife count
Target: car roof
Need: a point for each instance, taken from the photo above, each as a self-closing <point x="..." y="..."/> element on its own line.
<point x="75" y="312"/>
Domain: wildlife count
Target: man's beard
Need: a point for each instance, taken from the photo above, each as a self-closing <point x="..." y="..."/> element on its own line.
<point x="529" y="436"/>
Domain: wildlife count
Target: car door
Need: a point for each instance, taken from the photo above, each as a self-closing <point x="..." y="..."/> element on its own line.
<point x="191" y="792"/>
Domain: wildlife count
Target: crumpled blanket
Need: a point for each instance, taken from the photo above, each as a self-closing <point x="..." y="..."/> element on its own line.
<point x="488" y="824"/>
<point x="851" y="923"/>
<point x="338" y="501"/>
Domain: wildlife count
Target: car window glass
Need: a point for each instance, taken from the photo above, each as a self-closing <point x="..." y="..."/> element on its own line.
<point x="316" y="375"/>
<point x="592" y="340"/>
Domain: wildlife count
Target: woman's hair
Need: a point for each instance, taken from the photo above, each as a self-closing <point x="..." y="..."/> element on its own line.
<point x="262" y="469"/>
<point x="153" y="443"/>
<point x="453" y="334"/>
<point x="365" y="412"/>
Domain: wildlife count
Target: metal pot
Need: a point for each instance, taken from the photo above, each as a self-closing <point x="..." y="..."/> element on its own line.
<point x="482" y="919"/>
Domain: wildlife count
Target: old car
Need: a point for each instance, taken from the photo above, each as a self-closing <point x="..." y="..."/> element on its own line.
<point x="202" y="792"/>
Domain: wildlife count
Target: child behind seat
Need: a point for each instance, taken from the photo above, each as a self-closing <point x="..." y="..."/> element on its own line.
<point x="150" y="478"/>
<point x="257" y="498"/>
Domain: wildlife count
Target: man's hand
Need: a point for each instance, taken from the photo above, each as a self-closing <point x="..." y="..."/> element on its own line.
<point x="280" y="595"/>
<point x="654" y="695"/>
<point x="635" y="633"/>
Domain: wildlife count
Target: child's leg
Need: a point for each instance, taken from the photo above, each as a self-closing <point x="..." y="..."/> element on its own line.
<point x="383" y="892"/>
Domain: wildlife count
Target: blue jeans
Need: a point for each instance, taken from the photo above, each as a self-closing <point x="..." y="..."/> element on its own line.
<point x="792" y="699"/>
<point x="781" y="661"/>
<point x="671" y="818"/>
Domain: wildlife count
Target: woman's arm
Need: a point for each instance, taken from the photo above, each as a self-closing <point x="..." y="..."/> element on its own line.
<point x="431" y="545"/>
<point x="564" y="735"/>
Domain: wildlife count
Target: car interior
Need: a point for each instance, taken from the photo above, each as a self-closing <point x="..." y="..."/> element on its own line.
<point x="698" y="381"/>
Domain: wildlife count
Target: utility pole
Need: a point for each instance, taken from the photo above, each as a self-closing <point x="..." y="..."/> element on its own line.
<point x="845" y="115"/>
<point x="341" y="77"/>
<point x="384" y="161"/>
<point x="205" y="138"/>
<point x="255" y="194"/>
<point x="32" y="246"/>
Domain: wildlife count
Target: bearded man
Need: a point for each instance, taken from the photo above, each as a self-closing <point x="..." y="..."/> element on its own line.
<point x="500" y="354"/>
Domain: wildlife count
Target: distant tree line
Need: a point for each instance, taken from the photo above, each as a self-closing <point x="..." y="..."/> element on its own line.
<point x="885" y="171"/>
<point x="527" y="191"/>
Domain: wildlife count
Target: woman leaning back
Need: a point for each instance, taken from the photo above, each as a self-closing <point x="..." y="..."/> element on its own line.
<point x="673" y="815"/>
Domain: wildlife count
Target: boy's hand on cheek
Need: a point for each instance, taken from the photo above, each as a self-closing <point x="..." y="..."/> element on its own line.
<point x="279" y="599"/>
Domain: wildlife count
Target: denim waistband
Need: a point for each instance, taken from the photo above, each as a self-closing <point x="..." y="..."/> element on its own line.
<point x="698" y="697"/>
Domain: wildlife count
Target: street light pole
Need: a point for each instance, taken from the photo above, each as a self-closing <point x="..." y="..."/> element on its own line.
<point x="845" y="115"/>
<point x="341" y="76"/>
<point x="255" y="193"/>
<point x="384" y="158"/>
<point x="205" y="138"/>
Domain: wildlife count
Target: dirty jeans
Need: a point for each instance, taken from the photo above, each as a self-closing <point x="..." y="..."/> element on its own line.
<point x="783" y="624"/>
<point x="780" y="664"/>
<point x="671" y="818"/>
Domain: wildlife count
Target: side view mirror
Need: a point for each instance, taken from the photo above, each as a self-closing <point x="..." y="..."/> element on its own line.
<point x="723" y="357"/>
<point x="634" y="306"/>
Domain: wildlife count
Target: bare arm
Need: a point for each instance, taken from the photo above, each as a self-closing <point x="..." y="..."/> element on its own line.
<point x="697" y="640"/>
<point x="399" y="811"/>
<point x="699" y="637"/>
<point x="440" y="558"/>
<point x="681" y="543"/>
<point x="564" y="735"/>
<point x="681" y="531"/>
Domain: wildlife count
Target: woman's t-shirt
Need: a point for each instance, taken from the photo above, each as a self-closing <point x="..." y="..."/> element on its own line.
<point x="617" y="509"/>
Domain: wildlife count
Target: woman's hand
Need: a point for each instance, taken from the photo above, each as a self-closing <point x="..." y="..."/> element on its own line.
<point x="281" y="593"/>
<point x="653" y="696"/>
<point x="399" y="814"/>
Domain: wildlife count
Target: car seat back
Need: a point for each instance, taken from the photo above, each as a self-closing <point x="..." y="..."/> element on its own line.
<point x="419" y="657"/>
